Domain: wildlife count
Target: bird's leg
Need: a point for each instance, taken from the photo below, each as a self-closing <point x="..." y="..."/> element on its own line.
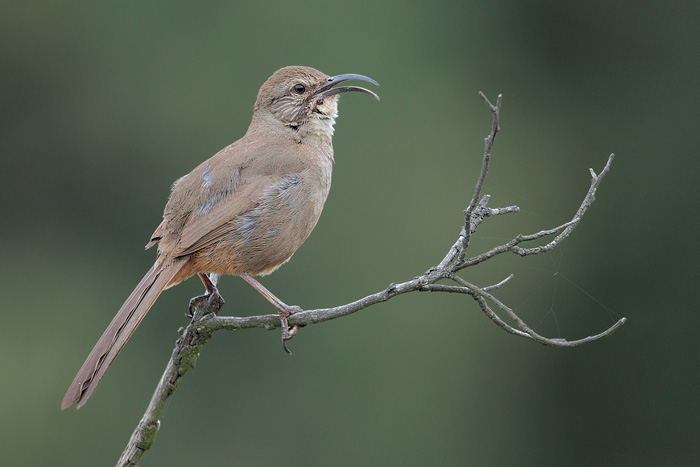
<point x="209" y="282"/>
<point x="284" y="310"/>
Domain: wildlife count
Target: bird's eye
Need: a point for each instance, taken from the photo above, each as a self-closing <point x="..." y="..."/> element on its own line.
<point x="299" y="88"/>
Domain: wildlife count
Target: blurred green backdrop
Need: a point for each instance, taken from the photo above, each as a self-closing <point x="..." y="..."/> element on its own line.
<point x="106" y="103"/>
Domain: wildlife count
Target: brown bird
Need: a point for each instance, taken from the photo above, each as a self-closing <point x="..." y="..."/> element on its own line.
<point x="245" y="211"/>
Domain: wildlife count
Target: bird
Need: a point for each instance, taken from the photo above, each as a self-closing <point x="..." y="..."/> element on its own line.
<point x="244" y="211"/>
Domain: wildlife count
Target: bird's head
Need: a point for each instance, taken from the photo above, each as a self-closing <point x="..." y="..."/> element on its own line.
<point x="303" y="100"/>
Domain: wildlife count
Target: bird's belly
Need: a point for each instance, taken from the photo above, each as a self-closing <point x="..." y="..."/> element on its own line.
<point x="266" y="236"/>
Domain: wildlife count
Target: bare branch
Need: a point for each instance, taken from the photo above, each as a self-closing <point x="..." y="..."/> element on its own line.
<point x="205" y="319"/>
<point x="481" y="295"/>
<point x="453" y="251"/>
<point x="562" y="231"/>
<point x="184" y="357"/>
<point x="488" y="146"/>
<point x="496" y="319"/>
<point x="499" y="211"/>
<point x="495" y="286"/>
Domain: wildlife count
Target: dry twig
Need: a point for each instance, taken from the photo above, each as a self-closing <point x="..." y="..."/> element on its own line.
<point x="205" y="319"/>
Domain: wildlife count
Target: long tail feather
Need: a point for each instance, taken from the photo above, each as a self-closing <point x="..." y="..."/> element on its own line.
<point x="120" y="330"/>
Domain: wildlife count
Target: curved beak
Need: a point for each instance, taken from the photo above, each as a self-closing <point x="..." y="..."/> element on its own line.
<point x="328" y="89"/>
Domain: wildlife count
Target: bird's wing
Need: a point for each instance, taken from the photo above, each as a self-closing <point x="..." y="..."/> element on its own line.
<point x="214" y="218"/>
<point x="204" y="204"/>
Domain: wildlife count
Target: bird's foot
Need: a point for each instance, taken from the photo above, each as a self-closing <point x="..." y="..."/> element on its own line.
<point x="288" y="333"/>
<point x="207" y="303"/>
<point x="194" y="303"/>
<point x="211" y="293"/>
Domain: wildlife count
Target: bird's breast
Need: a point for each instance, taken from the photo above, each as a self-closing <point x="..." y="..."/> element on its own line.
<point x="267" y="235"/>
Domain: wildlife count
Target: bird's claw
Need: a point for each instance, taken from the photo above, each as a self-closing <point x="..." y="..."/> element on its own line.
<point x="197" y="302"/>
<point x="194" y="302"/>
<point x="287" y="333"/>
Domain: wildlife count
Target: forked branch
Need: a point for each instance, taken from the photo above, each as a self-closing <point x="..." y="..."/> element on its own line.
<point x="205" y="319"/>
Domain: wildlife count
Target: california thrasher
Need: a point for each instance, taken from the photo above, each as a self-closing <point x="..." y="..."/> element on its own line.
<point x="245" y="211"/>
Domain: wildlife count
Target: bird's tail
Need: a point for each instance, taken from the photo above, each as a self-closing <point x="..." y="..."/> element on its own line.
<point x="120" y="330"/>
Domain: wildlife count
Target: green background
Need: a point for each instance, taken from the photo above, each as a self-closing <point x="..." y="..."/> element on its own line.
<point x="104" y="104"/>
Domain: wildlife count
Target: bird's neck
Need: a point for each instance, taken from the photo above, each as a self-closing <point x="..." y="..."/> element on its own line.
<point x="317" y="135"/>
<point x="316" y="132"/>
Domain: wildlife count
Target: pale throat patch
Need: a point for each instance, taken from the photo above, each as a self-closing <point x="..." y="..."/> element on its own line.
<point x="322" y="125"/>
<point x="324" y="118"/>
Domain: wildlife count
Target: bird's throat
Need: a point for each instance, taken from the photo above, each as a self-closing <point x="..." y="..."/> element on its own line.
<point x="321" y="125"/>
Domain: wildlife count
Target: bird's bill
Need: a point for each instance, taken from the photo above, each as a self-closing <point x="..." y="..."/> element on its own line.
<point x="328" y="89"/>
